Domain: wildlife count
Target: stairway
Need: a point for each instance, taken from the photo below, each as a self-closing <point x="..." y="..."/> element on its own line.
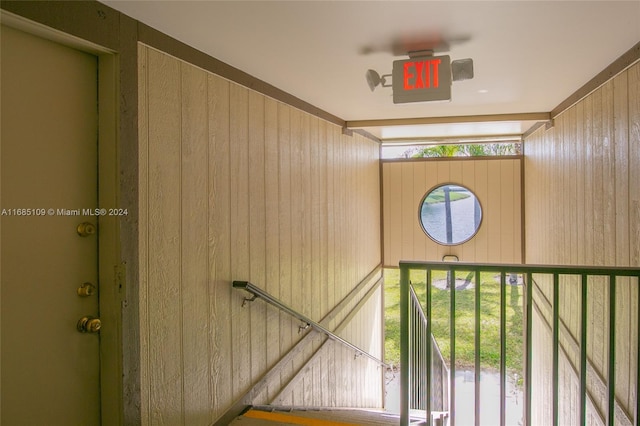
<point x="270" y="416"/>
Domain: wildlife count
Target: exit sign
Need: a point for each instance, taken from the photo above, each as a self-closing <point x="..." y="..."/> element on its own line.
<point x="422" y="79"/>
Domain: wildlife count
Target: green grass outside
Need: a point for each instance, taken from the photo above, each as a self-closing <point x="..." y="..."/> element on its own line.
<point x="438" y="196"/>
<point x="465" y="321"/>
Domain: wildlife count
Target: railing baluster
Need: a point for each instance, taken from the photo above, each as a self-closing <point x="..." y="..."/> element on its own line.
<point x="528" y="348"/>
<point x="637" y="407"/>
<point x="416" y="360"/>
<point x="556" y="337"/>
<point x="421" y="365"/>
<point x="412" y="356"/>
<point x="404" y="345"/>
<point x="452" y="347"/>
<point x="611" y="382"/>
<point x="418" y="364"/>
<point x="477" y="349"/>
<point x="503" y="347"/>
<point x="429" y="353"/>
<point x="583" y="350"/>
<point x="414" y="347"/>
<point x="420" y="389"/>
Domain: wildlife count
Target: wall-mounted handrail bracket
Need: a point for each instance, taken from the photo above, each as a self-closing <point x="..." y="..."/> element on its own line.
<point x="303" y="326"/>
<point x="249" y="299"/>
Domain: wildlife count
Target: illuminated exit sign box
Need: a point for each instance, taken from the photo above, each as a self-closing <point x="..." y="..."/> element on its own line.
<point x="422" y="79"/>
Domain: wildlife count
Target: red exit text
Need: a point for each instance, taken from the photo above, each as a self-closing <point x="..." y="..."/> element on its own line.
<point x="421" y="74"/>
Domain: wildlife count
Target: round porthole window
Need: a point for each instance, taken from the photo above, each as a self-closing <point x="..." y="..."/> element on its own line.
<point x="450" y="214"/>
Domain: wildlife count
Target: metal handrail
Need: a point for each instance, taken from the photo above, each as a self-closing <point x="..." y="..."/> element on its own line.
<point x="257" y="292"/>
<point x="528" y="271"/>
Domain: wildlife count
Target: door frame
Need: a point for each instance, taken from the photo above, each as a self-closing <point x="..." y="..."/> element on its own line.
<point x="111" y="272"/>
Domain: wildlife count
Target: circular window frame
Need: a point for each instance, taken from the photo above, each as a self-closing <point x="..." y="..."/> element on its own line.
<point x="432" y="238"/>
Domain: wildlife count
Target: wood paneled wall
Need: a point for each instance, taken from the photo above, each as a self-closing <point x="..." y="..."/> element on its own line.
<point x="582" y="186"/>
<point x="237" y="186"/>
<point x="335" y="364"/>
<point x="496" y="183"/>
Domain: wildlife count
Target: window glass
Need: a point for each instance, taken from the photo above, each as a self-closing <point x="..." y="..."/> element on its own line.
<point x="450" y="214"/>
<point x="499" y="148"/>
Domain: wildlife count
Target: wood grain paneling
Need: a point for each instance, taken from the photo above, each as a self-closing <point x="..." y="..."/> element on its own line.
<point x="358" y="318"/>
<point x="238" y="186"/>
<point x="143" y="164"/>
<point x="218" y="230"/>
<point x="582" y="191"/>
<point x="496" y="183"/>
<point x="164" y="274"/>
<point x="194" y="242"/>
<point x="272" y="233"/>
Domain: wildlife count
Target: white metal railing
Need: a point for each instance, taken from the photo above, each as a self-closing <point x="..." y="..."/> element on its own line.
<point x="429" y="378"/>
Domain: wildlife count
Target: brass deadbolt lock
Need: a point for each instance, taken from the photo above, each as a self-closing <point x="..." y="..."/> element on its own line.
<point x="85" y="229"/>
<point x="89" y="325"/>
<point x="86" y="289"/>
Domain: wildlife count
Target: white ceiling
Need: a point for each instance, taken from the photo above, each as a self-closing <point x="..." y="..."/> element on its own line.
<point x="528" y="55"/>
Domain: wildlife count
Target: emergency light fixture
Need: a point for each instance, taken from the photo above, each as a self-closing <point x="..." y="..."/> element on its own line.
<point x="374" y="79"/>
<point x="422" y="77"/>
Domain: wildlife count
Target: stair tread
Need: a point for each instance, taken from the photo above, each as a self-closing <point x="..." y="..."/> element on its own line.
<point x="316" y="417"/>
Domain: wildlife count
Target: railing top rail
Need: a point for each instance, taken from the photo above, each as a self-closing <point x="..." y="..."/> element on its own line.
<point x="258" y="292"/>
<point x="523" y="268"/>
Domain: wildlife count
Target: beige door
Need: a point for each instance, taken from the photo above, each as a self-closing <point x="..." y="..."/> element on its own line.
<point x="50" y="371"/>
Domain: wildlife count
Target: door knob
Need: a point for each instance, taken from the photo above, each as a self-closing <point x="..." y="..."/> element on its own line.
<point x="89" y="325"/>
